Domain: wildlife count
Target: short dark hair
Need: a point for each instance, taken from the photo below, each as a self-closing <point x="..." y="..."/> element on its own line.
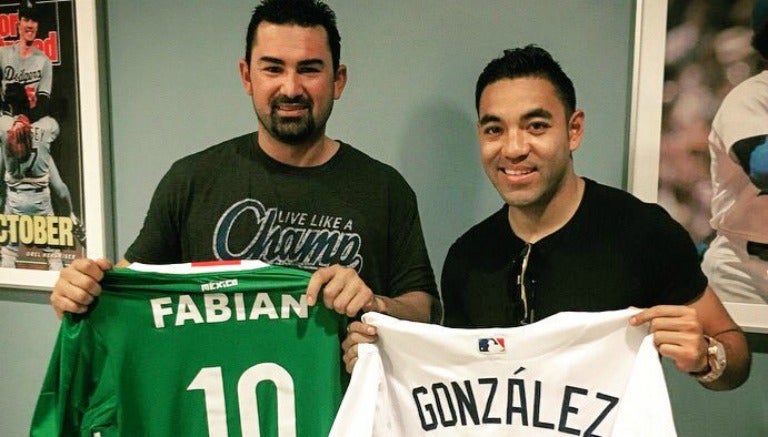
<point x="528" y="61"/>
<point x="304" y="13"/>
<point x="28" y="9"/>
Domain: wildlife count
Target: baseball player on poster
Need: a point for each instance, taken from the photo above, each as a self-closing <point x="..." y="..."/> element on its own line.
<point x="736" y="262"/>
<point x="27" y="65"/>
<point x="28" y="171"/>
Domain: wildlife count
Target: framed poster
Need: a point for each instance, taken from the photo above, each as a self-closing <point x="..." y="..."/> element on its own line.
<point x="688" y="55"/>
<point x="52" y="185"/>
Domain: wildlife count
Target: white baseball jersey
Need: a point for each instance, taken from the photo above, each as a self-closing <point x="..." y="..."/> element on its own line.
<point x="737" y="208"/>
<point x="585" y="374"/>
<point x="35" y="72"/>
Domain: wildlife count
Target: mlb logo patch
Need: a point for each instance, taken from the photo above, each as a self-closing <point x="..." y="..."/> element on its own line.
<point x="491" y="345"/>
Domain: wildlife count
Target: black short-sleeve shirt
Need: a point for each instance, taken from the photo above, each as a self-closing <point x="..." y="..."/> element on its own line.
<point x="233" y="201"/>
<point x="615" y="252"/>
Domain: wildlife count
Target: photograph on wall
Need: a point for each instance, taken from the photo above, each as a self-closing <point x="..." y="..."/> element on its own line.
<point x="41" y="192"/>
<point x="713" y="149"/>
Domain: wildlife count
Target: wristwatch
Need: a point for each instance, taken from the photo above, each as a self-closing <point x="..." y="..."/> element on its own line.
<point x="716" y="361"/>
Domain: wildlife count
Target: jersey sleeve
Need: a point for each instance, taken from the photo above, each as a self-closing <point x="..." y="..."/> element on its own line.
<point x="741" y="115"/>
<point x="47" y="418"/>
<point x="408" y="257"/>
<point x="76" y="394"/>
<point x="159" y="239"/>
<point x="46" y="80"/>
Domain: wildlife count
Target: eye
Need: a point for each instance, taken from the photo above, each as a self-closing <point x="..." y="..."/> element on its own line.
<point x="273" y="69"/>
<point x="309" y="70"/>
<point x="538" y="127"/>
<point x="492" y="130"/>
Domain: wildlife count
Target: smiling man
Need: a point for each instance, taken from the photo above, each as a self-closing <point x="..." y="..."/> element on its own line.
<point x="562" y="242"/>
<point x="287" y="194"/>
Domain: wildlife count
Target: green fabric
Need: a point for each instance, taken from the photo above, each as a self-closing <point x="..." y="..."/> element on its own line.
<point x="114" y="371"/>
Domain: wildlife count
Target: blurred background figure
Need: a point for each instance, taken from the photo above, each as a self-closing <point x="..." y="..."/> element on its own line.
<point x="736" y="262"/>
<point x="708" y="53"/>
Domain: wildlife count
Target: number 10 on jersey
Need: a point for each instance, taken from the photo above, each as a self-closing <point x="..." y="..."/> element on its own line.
<point x="211" y="382"/>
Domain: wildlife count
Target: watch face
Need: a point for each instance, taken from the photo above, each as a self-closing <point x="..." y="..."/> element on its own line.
<point x="719" y="354"/>
<point x="716" y="359"/>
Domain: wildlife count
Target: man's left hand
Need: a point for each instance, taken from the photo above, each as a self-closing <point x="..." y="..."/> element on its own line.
<point x="343" y="290"/>
<point x="346" y="293"/>
<point x="677" y="334"/>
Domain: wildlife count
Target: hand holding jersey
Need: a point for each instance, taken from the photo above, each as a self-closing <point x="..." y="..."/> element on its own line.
<point x="357" y="333"/>
<point x="677" y="334"/>
<point x="544" y="379"/>
<point x="78" y="284"/>
<point x="529" y="129"/>
<point x="195" y="350"/>
<point x="405" y="307"/>
<point x="344" y="291"/>
<point x="292" y="74"/>
<point x="701" y="339"/>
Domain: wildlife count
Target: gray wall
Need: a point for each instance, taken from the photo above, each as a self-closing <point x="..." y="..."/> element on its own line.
<point x="409" y="102"/>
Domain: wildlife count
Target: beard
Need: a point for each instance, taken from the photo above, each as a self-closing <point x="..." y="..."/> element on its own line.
<point x="291" y="130"/>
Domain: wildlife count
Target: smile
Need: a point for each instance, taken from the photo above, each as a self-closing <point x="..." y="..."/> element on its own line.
<point x="511" y="172"/>
<point x="290" y="110"/>
<point x="291" y="107"/>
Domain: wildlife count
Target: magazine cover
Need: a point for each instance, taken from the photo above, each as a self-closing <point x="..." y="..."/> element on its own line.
<point x="42" y="223"/>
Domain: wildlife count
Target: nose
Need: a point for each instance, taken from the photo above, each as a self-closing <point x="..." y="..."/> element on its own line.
<point x="292" y="84"/>
<point x="515" y="145"/>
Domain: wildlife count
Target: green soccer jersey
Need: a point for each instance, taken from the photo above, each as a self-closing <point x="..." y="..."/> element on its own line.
<point x="219" y="353"/>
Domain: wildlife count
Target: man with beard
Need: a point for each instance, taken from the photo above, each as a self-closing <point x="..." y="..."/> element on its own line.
<point x="287" y="194"/>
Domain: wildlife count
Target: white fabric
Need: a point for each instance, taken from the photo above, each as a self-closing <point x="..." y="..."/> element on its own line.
<point x="739" y="213"/>
<point x="200" y="267"/>
<point x="734" y="274"/>
<point x="737" y="209"/>
<point x="598" y="355"/>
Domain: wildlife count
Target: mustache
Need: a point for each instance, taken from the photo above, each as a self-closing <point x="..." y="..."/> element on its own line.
<point x="280" y="100"/>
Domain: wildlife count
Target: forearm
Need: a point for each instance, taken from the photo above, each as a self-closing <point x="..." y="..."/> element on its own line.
<point x="717" y="323"/>
<point x="417" y="306"/>
<point x="738" y="360"/>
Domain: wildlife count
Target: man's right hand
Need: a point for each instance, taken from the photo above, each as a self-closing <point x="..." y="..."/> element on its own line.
<point x="78" y="284"/>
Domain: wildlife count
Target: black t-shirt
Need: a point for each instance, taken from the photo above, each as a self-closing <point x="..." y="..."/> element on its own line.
<point x="234" y="201"/>
<point x="615" y="252"/>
